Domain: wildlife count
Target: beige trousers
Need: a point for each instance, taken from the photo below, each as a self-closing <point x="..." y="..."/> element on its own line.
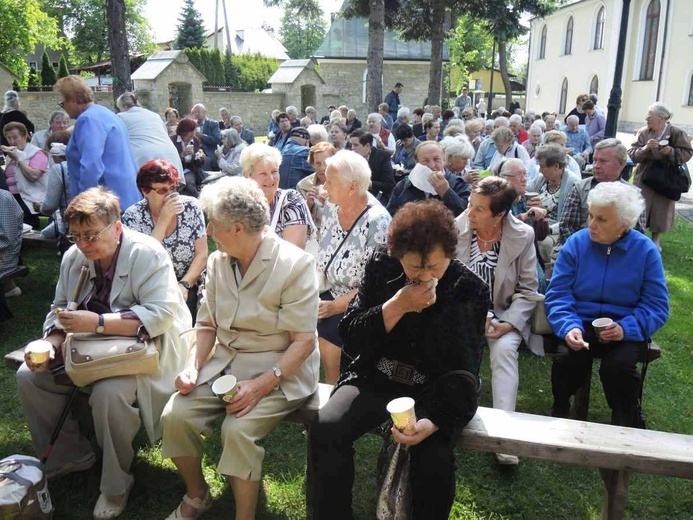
<point x="186" y="417"/>
<point x="116" y="421"/>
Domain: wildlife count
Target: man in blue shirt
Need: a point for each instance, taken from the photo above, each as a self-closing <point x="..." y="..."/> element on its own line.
<point x="294" y="166"/>
<point x="392" y="100"/>
<point x="577" y="141"/>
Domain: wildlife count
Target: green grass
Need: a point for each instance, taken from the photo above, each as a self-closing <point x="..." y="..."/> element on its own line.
<point x="534" y="490"/>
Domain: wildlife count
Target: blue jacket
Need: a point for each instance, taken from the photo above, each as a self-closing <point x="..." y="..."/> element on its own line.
<point x="455" y="199"/>
<point x="294" y="166"/>
<point x="99" y="154"/>
<point x="623" y="281"/>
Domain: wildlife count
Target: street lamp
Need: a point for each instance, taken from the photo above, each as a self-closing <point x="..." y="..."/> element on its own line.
<point x="615" y="96"/>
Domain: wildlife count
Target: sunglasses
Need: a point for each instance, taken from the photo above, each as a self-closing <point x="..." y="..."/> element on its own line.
<point x="161" y="191"/>
<point x="88" y="238"/>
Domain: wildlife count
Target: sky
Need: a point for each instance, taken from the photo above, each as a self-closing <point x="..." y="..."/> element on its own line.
<point x="163" y="14"/>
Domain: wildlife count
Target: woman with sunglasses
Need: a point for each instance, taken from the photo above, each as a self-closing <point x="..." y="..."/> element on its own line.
<point x="174" y="220"/>
<point x="131" y="290"/>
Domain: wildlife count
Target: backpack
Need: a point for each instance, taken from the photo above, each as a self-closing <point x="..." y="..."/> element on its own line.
<point x="23" y="489"/>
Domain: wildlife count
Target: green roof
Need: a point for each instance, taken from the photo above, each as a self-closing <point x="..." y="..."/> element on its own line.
<point x="348" y="39"/>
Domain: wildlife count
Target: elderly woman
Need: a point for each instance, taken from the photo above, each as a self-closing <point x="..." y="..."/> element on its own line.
<point x="500" y="250"/>
<point x="432" y="131"/>
<point x="130" y="291"/>
<point x="175" y="221"/>
<point x="25" y="171"/>
<point x="535" y="136"/>
<point x="659" y="144"/>
<point x="407" y="292"/>
<point x="58" y="194"/>
<point x="338" y="135"/>
<point x="606" y="271"/>
<point x="313" y="187"/>
<point x="405" y="150"/>
<point x="229" y="154"/>
<point x="507" y="146"/>
<point x="253" y="324"/>
<point x="553" y="184"/>
<point x="352" y="122"/>
<point x="474" y="129"/>
<point x="317" y="133"/>
<point x="171" y="116"/>
<point x="191" y="154"/>
<point x="458" y="151"/>
<point x="289" y="215"/>
<point x="57" y="122"/>
<point x="439" y="184"/>
<point x="11" y="114"/>
<point x="559" y="138"/>
<point x="353" y="225"/>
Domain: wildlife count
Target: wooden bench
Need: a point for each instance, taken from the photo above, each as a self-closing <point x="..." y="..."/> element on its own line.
<point x="36" y="239"/>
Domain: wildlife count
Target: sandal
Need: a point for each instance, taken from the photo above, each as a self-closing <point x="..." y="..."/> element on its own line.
<point x="201" y="506"/>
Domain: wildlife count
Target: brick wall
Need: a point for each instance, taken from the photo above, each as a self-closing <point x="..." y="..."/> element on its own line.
<point x="38" y="106"/>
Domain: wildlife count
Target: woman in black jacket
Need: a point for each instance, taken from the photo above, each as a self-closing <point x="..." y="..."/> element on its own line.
<point x="415" y="329"/>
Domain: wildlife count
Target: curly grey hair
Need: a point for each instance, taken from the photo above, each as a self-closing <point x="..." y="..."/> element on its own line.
<point x="236" y="199"/>
<point x="626" y="200"/>
<point x="258" y="152"/>
<point x="352" y="168"/>
<point x="551" y="155"/>
<point x="457" y="146"/>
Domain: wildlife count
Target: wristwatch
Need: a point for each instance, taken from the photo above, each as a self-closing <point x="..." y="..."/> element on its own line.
<point x="185" y="284"/>
<point x="100" y="326"/>
<point x="278" y="373"/>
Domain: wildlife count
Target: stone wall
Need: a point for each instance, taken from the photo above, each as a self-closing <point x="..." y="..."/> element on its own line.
<point x="38" y="106"/>
<point x="6" y="79"/>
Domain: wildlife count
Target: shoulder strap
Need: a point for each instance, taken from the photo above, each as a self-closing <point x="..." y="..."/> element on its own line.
<point x="339" y="247"/>
<point x="277" y="209"/>
<point x="62" y="174"/>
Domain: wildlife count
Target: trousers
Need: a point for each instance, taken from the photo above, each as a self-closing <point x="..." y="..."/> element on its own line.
<point x="505" y="371"/>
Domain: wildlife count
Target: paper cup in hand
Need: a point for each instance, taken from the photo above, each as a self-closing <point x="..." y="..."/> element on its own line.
<point x="403" y="414"/>
<point x="600" y="324"/>
<point x="489" y="322"/>
<point x="176" y="196"/>
<point x="225" y="388"/>
<point x="39" y="351"/>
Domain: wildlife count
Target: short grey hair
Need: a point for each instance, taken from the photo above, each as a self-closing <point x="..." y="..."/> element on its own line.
<point x="224" y="109"/>
<point x="291" y="110"/>
<point x="660" y="110"/>
<point x="502" y="135"/>
<point x="552" y="154"/>
<point x="501" y="121"/>
<point x="512" y="165"/>
<point x="515" y="118"/>
<point x="11" y="99"/>
<point x="235" y="119"/>
<point x="318" y="133"/>
<point x="572" y="118"/>
<point x="256" y="153"/>
<point x="457" y="146"/>
<point x="306" y="121"/>
<point x="376" y="116"/>
<point x="351" y="111"/>
<point x="618" y="147"/>
<point x="352" y="168"/>
<point x="236" y="199"/>
<point x="58" y="114"/>
<point x="126" y="101"/>
<point x="230" y="137"/>
<point x="403" y="112"/>
<point x="626" y="200"/>
<point x="426" y="118"/>
<point x="538" y="124"/>
<point x="310" y="109"/>
<point x="456" y="122"/>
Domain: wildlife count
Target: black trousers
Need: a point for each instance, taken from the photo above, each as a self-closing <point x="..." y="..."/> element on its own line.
<point x="618" y="372"/>
<point x="350" y="413"/>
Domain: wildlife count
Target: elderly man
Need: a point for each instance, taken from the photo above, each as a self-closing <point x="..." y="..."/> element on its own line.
<point x="382" y="137"/>
<point x="515" y="124"/>
<point x="610" y="158"/>
<point x="577" y="141"/>
<point x="280" y="138"/>
<point x="550" y="121"/>
<point x="237" y="125"/>
<point x="225" y="121"/>
<point x="294" y="166"/>
<point x="209" y="134"/>
<point x="392" y="100"/>
<point x="402" y="119"/>
<point x="57" y="122"/>
<point x="595" y="123"/>
<point x="487" y="149"/>
<point x="382" y="174"/>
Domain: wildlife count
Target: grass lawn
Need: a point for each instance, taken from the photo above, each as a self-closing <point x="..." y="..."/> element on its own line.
<point x="533" y="490"/>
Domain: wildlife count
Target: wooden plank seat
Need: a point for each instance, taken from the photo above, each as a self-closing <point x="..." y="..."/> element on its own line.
<point x="36" y="239"/>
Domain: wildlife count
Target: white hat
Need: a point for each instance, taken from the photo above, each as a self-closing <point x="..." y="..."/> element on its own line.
<point x="58" y="149"/>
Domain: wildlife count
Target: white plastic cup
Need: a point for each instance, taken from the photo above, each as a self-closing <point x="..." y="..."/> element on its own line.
<point x="600" y="324"/>
<point x="403" y="414"/>
<point x="225" y="387"/>
<point x="176" y="195"/>
<point x="39" y="351"/>
<point x="489" y="322"/>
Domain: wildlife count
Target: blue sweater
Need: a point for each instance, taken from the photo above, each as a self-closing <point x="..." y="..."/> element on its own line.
<point x="99" y="154"/>
<point x="623" y="281"/>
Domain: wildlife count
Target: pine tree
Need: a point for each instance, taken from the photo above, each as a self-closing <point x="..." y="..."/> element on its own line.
<point x="33" y="81"/>
<point x="218" y="76"/>
<point x="191" y="30"/>
<point x="231" y="71"/>
<point x="48" y="77"/>
<point x="63" y="69"/>
<point x="207" y="67"/>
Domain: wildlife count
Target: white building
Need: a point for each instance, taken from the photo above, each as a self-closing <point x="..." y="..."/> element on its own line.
<point x="573" y="51"/>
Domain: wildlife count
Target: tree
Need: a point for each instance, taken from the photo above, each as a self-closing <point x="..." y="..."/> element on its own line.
<point x="48" y="77"/>
<point x="218" y="76"/>
<point x="231" y="70"/>
<point x="191" y="29"/>
<point x="33" y="80"/>
<point x="303" y="27"/>
<point x="207" y="67"/>
<point x="470" y="49"/>
<point x="118" y="43"/>
<point x="63" y="69"/>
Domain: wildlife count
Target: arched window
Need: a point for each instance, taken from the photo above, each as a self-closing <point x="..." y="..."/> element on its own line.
<point x="542" y="43"/>
<point x="594" y="85"/>
<point x="649" y="47"/>
<point x="564" y="96"/>
<point x="690" y="92"/>
<point x="599" y="29"/>
<point x="568" y="47"/>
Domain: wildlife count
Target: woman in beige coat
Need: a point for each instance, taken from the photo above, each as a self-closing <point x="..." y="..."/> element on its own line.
<point x="257" y="322"/>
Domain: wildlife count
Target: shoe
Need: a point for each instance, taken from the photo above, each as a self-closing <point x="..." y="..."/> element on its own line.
<point x="82" y="464"/>
<point x="13" y="292"/>
<point x="110" y="506"/>
<point x="201" y="506"/>
<point x="507" y="460"/>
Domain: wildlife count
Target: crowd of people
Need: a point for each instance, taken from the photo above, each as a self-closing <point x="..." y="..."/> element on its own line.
<point x="394" y="252"/>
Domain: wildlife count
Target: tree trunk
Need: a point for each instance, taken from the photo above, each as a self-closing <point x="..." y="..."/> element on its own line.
<point x="376" y="42"/>
<point x="437" y="37"/>
<point x="118" y="42"/>
<point x="503" y="66"/>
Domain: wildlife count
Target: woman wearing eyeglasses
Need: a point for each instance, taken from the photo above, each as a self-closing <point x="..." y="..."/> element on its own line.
<point x="174" y="220"/>
<point x="132" y="291"/>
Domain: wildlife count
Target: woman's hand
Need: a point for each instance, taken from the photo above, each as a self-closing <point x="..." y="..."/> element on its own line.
<point x="171" y="208"/>
<point x="186" y="380"/>
<point x="534" y="202"/>
<point x="78" y="321"/>
<point x="498" y="329"/>
<point x="575" y="340"/>
<point x="424" y="429"/>
<point x="249" y="394"/>
<point x="326" y="308"/>
<point x="39" y="367"/>
<point x="416" y="296"/>
<point x="666" y="150"/>
<point x="537" y="213"/>
<point x="613" y="332"/>
<point x="184" y="292"/>
<point x="652" y="144"/>
<point x="472" y="177"/>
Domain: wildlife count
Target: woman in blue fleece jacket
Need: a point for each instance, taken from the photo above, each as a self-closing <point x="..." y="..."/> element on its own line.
<point x="606" y="271"/>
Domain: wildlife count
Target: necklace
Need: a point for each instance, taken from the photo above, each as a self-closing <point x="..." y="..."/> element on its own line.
<point x="487" y="243"/>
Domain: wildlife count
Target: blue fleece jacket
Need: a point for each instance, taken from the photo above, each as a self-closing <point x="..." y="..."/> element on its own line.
<point x="623" y="281"/>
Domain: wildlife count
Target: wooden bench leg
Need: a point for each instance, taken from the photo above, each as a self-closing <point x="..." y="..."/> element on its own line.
<point x="616" y="496"/>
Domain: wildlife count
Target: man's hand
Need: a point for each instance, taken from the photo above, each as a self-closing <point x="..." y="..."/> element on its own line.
<point x="424" y="429"/>
<point x="439" y="183"/>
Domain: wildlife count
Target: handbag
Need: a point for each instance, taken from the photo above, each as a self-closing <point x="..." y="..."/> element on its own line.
<point x="90" y="357"/>
<point x="668" y="179"/>
<point x="394" y="496"/>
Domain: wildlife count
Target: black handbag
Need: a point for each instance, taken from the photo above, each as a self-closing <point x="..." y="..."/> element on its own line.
<point x="668" y="179"/>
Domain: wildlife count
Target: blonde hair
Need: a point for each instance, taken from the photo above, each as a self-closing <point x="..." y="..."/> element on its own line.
<point x="256" y="153"/>
<point x="75" y="89"/>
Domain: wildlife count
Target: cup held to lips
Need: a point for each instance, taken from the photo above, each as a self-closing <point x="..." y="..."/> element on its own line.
<point x="600" y="324"/>
<point x="225" y="387"/>
<point x="531" y="194"/>
<point x="403" y="414"/>
<point x="39" y="351"/>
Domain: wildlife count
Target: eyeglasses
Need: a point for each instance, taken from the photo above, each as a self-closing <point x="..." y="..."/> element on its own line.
<point x="162" y="191"/>
<point x="89" y="238"/>
<point x="519" y="176"/>
<point x="61" y="104"/>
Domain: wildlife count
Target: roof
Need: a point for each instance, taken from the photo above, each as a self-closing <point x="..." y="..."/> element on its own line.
<point x="290" y="70"/>
<point x="250" y="40"/>
<point x="8" y="70"/>
<point x="158" y="62"/>
<point x="348" y="39"/>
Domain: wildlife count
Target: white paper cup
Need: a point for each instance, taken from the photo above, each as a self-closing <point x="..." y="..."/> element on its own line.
<point x="489" y="321"/>
<point x="225" y="387"/>
<point x="531" y="194"/>
<point x="403" y="414"/>
<point x="176" y="195"/>
<point x="600" y="324"/>
<point x="39" y="351"/>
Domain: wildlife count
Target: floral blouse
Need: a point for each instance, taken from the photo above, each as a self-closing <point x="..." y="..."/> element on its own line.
<point x="346" y="270"/>
<point x="180" y="245"/>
